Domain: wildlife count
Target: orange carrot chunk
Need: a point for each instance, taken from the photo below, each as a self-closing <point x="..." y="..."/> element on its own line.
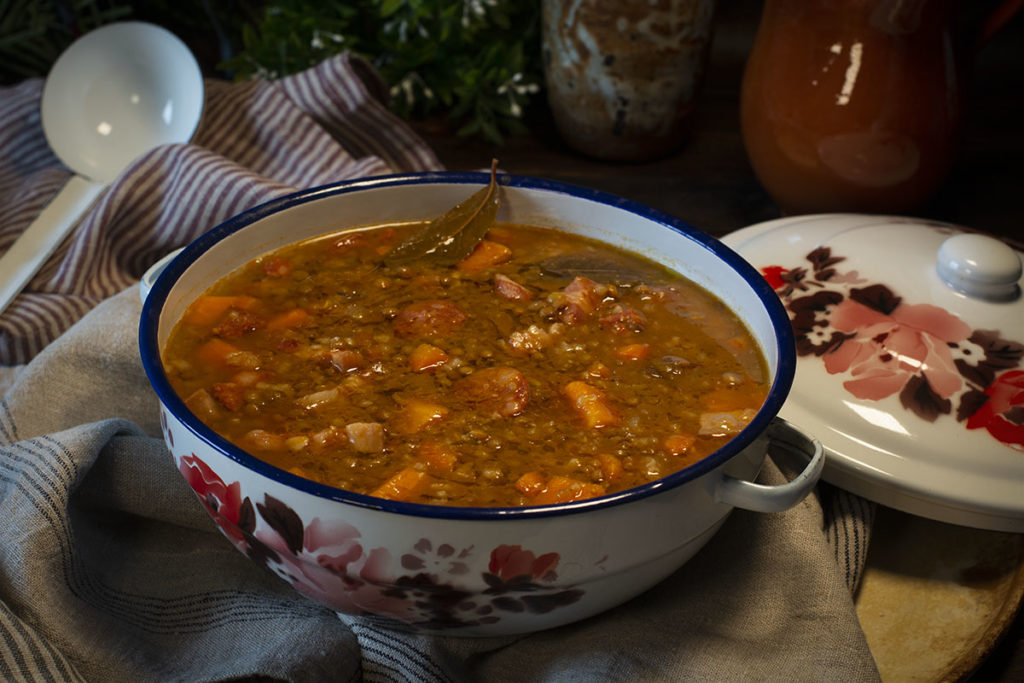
<point x="561" y="489"/>
<point x="437" y="456"/>
<point x="404" y="485"/>
<point x="611" y="467"/>
<point x="634" y="352"/>
<point x="426" y="357"/>
<point x="288" y="320"/>
<point x="591" y="404"/>
<point x="484" y="255"/>
<point x="678" y="444"/>
<point x="747" y="395"/>
<point x="417" y="414"/>
<point x="215" y="352"/>
<point x="206" y="310"/>
<point x="530" y="483"/>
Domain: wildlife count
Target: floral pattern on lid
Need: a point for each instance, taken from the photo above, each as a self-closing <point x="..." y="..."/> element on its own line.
<point x="936" y="363"/>
<point x="912" y="379"/>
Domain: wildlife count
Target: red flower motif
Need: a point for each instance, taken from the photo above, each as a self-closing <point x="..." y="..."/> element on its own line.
<point x="773" y="274"/>
<point x="886" y="350"/>
<point x="511" y="562"/>
<point x="222" y="501"/>
<point x="1003" y="413"/>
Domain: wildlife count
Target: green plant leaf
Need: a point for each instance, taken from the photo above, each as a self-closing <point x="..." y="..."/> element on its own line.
<point x="451" y="237"/>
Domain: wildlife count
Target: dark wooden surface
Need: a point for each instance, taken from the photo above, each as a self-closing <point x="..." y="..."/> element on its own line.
<point x="710" y="184"/>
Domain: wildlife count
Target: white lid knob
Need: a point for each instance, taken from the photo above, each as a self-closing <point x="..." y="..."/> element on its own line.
<point x="981" y="267"/>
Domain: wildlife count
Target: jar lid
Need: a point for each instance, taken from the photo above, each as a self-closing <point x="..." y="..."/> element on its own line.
<point x="910" y="342"/>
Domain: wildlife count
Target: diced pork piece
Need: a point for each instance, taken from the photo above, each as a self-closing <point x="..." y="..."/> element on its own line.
<point x="508" y="288"/>
<point x="532" y="339"/>
<point x="202" y="404"/>
<point x="262" y="440"/>
<point x="277" y="266"/>
<point x="229" y="395"/>
<point x="237" y="323"/>
<point x="725" y="423"/>
<point x="366" y="437"/>
<point x="498" y="391"/>
<point x="318" y="398"/>
<point x="432" y="318"/>
<point x="585" y="293"/>
<point x="623" y="320"/>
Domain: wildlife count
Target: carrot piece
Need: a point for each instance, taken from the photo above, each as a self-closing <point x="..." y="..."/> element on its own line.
<point x="747" y="395"/>
<point x="530" y="483"/>
<point x="611" y="467"/>
<point x="206" y="310"/>
<point x="215" y="352"/>
<point x="417" y="414"/>
<point x="561" y="489"/>
<point x="484" y="255"/>
<point x="404" y="485"/>
<point x="288" y="320"/>
<point x="678" y="444"/>
<point x="438" y="457"/>
<point x="634" y="352"/>
<point x="427" y="357"/>
<point x="591" y="404"/>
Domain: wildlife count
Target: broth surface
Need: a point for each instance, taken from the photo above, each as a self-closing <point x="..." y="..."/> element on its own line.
<point x="500" y="381"/>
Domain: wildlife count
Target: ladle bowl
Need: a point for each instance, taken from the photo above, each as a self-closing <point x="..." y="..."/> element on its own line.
<point x="114" y="94"/>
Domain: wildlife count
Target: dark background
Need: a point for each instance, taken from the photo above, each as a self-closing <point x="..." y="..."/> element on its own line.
<point x="708" y="183"/>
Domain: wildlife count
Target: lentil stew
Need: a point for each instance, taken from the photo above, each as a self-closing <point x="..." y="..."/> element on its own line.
<point x="496" y="382"/>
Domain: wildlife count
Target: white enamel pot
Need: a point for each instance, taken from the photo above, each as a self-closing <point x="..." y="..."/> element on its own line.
<point x="474" y="571"/>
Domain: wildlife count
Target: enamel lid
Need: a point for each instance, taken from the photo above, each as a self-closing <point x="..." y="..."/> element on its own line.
<point x="910" y="342"/>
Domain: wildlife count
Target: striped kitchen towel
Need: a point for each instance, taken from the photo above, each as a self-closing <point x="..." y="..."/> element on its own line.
<point x="256" y="140"/>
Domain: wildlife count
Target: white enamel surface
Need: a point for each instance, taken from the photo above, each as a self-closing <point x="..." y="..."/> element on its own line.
<point x="612" y="553"/>
<point x="119" y="91"/>
<point x="879" y="449"/>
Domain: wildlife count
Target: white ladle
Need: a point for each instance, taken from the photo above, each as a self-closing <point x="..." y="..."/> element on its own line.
<point x="115" y="93"/>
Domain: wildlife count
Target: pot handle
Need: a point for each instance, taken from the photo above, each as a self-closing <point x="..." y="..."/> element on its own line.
<point x="149" y="278"/>
<point x="761" y="498"/>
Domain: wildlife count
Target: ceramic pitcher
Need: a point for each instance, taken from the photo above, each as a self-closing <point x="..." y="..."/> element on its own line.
<point x="856" y="105"/>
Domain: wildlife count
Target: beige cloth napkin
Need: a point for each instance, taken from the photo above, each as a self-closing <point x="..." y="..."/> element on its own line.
<point x="111" y="570"/>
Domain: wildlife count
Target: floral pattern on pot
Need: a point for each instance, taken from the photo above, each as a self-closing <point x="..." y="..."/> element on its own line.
<point x="932" y="360"/>
<point x="425" y="586"/>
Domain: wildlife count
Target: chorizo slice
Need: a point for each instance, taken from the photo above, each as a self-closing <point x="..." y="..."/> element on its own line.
<point x="499" y="391"/>
<point x="431" y="318"/>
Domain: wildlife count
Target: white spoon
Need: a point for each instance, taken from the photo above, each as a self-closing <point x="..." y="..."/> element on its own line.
<point x="114" y="94"/>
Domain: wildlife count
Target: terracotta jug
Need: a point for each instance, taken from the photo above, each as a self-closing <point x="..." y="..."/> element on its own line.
<point x="856" y="105"/>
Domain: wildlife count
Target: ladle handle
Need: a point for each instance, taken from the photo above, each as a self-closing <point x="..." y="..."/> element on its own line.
<point x="30" y="251"/>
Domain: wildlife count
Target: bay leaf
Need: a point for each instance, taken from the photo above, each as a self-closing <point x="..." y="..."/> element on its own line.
<point x="451" y="237"/>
